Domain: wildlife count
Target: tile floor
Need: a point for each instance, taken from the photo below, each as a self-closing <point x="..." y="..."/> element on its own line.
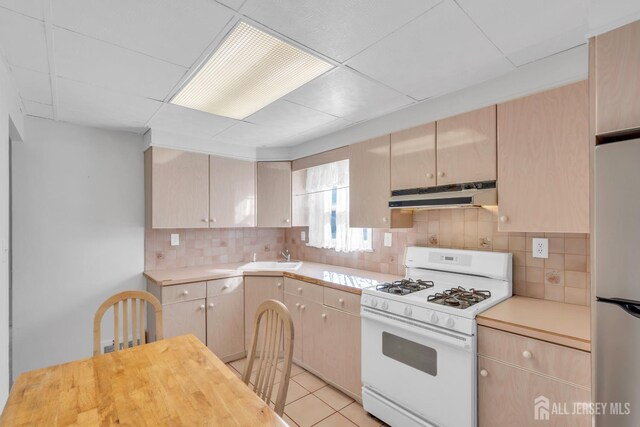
<point x="312" y="402"/>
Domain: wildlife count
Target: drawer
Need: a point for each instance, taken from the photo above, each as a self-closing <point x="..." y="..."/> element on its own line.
<point x="345" y="301"/>
<point x="224" y="286"/>
<point x="554" y="360"/>
<point x="303" y="289"/>
<point x="186" y="292"/>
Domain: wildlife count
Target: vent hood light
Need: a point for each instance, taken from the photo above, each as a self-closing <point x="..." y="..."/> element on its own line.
<point x="248" y="71"/>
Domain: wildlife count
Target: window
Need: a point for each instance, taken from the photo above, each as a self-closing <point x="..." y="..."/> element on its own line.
<point x="321" y="201"/>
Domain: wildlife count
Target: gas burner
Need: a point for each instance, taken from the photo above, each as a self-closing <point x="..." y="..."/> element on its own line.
<point x="405" y="286"/>
<point x="459" y="297"/>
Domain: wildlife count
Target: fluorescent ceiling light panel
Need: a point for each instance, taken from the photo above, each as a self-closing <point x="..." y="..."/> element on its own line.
<point x="249" y="70"/>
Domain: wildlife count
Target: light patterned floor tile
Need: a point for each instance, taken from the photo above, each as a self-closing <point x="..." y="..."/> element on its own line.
<point x="309" y="381"/>
<point x="289" y="421"/>
<point x="335" y="420"/>
<point x="308" y="410"/>
<point x="332" y="397"/>
<point x="295" y="392"/>
<point x="295" y="369"/>
<point x="359" y="416"/>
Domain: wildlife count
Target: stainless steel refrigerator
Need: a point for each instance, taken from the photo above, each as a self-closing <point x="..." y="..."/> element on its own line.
<point x="617" y="282"/>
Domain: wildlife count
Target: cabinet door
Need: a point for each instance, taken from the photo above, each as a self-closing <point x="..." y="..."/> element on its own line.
<point x="225" y="325"/>
<point x="274" y="194"/>
<point x="185" y="318"/>
<point x="342" y="343"/>
<point x="413" y="157"/>
<point x="617" y="67"/>
<point x="543" y="162"/>
<point x="314" y="350"/>
<point x="256" y="290"/>
<point x="516" y="391"/>
<point x="466" y="147"/>
<point x="177" y="188"/>
<point x="293" y="305"/>
<point x="233" y="192"/>
<point x="369" y="188"/>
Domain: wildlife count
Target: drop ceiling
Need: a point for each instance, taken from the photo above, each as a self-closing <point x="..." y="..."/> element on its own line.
<point x="117" y="64"/>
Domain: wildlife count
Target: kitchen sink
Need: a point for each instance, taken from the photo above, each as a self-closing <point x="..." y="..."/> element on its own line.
<point x="271" y="266"/>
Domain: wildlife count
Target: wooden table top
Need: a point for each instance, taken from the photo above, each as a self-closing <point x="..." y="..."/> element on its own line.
<point x="176" y="381"/>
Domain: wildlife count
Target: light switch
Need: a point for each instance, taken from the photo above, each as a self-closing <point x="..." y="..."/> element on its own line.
<point x="388" y="239"/>
<point x="175" y="240"/>
<point x="303" y="236"/>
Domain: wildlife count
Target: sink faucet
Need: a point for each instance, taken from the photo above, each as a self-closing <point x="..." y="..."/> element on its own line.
<point x="286" y="255"/>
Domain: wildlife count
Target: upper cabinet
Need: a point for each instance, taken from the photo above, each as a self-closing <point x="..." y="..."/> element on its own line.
<point x="413" y="157"/>
<point x="233" y="192"/>
<point x="466" y="147"/>
<point x="176" y="189"/>
<point x="274" y="194"/>
<point x="616" y="70"/>
<point x="543" y="161"/>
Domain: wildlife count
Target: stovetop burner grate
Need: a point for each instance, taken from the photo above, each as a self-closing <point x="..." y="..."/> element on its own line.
<point x="459" y="297"/>
<point x="405" y="286"/>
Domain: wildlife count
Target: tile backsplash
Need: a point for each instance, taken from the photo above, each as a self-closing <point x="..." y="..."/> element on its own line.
<point x="563" y="276"/>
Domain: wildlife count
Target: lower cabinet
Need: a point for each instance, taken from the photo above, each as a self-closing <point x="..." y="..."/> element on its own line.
<point x="341" y="340"/>
<point x="256" y="290"/>
<point x="225" y="325"/>
<point x="182" y="318"/>
<point x="522" y="381"/>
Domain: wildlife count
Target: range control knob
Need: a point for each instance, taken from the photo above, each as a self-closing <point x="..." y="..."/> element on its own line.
<point x="434" y="318"/>
<point x="408" y="311"/>
<point x="450" y="322"/>
<point x="384" y="305"/>
<point x="374" y="302"/>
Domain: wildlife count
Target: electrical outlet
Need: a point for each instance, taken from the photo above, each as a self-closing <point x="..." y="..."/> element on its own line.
<point x="388" y="239"/>
<point x="175" y="240"/>
<point x="540" y="248"/>
<point x="303" y="236"/>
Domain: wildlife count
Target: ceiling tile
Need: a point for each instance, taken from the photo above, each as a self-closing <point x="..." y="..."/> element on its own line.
<point x="253" y="135"/>
<point x="32" y="8"/>
<point x="174" y="118"/>
<point x="440" y="52"/>
<point x="94" y="106"/>
<point x="336" y="28"/>
<point x="234" y="4"/>
<point x="544" y="26"/>
<point x="291" y="118"/>
<point x="32" y="85"/>
<point x="23" y="41"/>
<point x="98" y="63"/>
<point x="176" y="31"/>
<point x="38" y="110"/>
<point x="344" y="93"/>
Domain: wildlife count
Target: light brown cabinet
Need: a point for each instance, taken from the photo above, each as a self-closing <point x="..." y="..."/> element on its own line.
<point x="341" y="341"/>
<point x="543" y="161"/>
<point x="516" y="370"/>
<point x="293" y="303"/>
<point x="187" y="317"/>
<point x="616" y="67"/>
<point x="256" y="290"/>
<point x="225" y="318"/>
<point x="466" y="147"/>
<point x="232" y="201"/>
<point x="413" y="157"/>
<point x="176" y="189"/>
<point x="274" y="194"/>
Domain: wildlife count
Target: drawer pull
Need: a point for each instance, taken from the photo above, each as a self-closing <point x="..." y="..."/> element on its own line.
<point x="185" y="293"/>
<point x="341" y="301"/>
<point x="225" y="287"/>
<point x="299" y="290"/>
<point x="202" y="307"/>
<point x="298" y="304"/>
<point x="483" y="372"/>
<point x="324" y="316"/>
<point x="302" y="307"/>
<point x="211" y="305"/>
<point x="279" y="284"/>
<point x="527" y="354"/>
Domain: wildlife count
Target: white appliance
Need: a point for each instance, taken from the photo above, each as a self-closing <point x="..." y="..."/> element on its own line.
<point x="419" y="336"/>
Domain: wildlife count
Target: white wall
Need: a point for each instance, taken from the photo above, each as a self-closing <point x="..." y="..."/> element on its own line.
<point x="10" y="125"/>
<point x="78" y="235"/>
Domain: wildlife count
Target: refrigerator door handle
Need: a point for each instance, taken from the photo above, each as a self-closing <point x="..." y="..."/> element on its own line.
<point x="631" y="307"/>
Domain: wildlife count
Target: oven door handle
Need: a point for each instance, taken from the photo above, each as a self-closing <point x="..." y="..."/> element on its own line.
<point x="452" y="339"/>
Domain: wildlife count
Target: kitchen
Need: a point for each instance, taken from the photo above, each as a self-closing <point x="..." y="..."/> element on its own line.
<point x="436" y="197"/>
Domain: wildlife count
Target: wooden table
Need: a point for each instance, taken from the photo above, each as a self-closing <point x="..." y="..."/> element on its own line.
<point x="177" y="381"/>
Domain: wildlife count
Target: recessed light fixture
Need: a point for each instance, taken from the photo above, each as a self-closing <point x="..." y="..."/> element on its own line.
<point x="249" y="70"/>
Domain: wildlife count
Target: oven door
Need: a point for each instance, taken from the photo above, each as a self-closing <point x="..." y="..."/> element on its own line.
<point x="425" y="370"/>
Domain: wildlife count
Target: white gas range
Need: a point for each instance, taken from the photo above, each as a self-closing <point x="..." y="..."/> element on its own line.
<point x="419" y="336"/>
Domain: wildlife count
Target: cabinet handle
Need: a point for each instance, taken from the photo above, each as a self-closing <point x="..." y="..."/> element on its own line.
<point x="385" y="219"/>
<point x="324" y="316"/>
<point x="341" y="301"/>
<point x="527" y="354"/>
<point x="300" y="290"/>
<point x="202" y="307"/>
<point x="430" y="175"/>
<point x="211" y="305"/>
<point x="287" y="220"/>
<point x="205" y="219"/>
<point x="440" y="174"/>
<point x="298" y="304"/>
<point x="483" y="372"/>
<point x="279" y="284"/>
<point x="185" y="293"/>
<point x="504" y="218"/>
<point x="302" y="307"/>
<point x="212" y="220"/>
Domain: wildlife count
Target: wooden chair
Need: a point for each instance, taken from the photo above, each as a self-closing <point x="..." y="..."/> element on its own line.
<point x="279" y="325"/>
<point x="136" y="300"/>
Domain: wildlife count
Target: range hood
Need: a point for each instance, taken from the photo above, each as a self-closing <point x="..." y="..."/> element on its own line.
<point x="448" y="196"/>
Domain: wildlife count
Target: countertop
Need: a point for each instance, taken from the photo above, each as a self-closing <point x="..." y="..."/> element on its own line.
<point x="342" y="278"/>
<point x="556" y="322"/>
